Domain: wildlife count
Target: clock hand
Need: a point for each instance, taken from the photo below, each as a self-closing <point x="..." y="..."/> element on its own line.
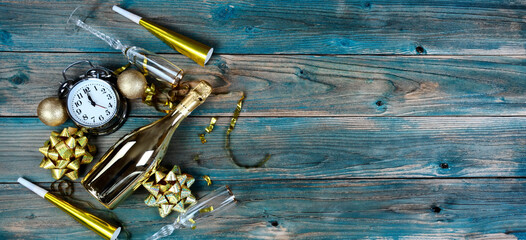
<point x="91" y="100"/>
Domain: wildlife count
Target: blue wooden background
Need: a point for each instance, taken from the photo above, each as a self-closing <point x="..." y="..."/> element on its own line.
<point x="384" y="119"/>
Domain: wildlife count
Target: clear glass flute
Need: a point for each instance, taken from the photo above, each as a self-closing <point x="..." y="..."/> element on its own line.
<point x="207" y="207"/>
<point x="146" y="61"/>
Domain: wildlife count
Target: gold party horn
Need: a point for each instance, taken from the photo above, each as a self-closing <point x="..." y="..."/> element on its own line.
<point x="195" y="50"/>
<point x="101" y="227"/>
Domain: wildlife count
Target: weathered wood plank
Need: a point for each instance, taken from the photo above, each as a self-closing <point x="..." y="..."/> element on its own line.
<point x="356" y="147"/>
<point x="335" y="209"/>
<point x="269" y="27"/>
<point x="306" y="85"/>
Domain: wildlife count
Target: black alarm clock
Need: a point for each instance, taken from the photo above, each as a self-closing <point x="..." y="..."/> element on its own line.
<point x="93" y="101"/>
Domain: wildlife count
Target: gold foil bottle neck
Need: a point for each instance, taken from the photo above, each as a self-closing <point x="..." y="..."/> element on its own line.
<point x="195" y="97"/>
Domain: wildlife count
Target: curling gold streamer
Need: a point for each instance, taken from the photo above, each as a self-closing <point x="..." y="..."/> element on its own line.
<point x="237" y="111"/>
<point x="144" y="65"/>
<point x="121" y="69"/>
<point x="228" y="148"/>
<point x="208" y="180"/>
<point x="149" y="94"/>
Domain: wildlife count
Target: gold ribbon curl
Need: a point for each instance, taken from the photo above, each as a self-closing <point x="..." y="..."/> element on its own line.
<point x="207" y="179"/>
<point x="228" y="148"/>
<point x="164" y="98"/>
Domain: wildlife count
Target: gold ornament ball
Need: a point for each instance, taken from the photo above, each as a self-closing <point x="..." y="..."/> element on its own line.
<point x="132" y="84"/>
<point x="52" y="111"/>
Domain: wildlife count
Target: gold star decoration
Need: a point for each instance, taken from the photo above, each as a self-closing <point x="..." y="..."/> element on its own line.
<point x="169" y="191"/>
<point x="64" y="152"/>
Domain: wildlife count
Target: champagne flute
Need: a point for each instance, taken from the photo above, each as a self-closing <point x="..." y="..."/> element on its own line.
<point x="207" y="207"/>
<point x="146" y="61"/>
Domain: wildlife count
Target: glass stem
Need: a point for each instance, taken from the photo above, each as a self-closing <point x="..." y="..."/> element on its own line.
<point x="114" y="43"/>
<point x="165" y="231"/>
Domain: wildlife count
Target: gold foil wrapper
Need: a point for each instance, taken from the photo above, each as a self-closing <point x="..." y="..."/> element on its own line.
<point x="65" y="152"/>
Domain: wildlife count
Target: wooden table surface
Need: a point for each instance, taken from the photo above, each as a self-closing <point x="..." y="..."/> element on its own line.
<point x="384" y="119"/>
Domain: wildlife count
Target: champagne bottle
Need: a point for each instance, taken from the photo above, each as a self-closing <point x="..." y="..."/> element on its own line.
<point x="131" y="160"/>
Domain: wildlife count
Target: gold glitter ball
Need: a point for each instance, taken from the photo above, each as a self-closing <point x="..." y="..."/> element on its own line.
<point x="132" y="83"/>
<point x="52" y="111"/>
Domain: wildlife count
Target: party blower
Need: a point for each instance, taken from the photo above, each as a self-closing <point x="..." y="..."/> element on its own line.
<point x="195" y="50"/>
<point x="99" y="226"/>
<point x="146" y="61"/>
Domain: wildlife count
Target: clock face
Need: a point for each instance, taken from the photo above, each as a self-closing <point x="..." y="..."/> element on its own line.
<point x="92" y="102"/>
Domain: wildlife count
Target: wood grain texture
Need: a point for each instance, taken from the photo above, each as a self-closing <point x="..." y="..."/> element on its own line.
<point x="336" y="209"/>
<point x="269" y="27"/>
<point x="307" y="148"/>
<point x="305" y="85"/>
<point x="384" y="119"/>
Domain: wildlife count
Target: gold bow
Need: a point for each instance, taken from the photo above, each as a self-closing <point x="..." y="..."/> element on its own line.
<point x="64" y="153"/>
<point x="170" y="191"/>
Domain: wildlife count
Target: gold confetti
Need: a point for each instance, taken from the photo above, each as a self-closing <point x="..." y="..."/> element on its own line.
<point x="208" y="180"/>
<point x="202" y="137"/>
<point x="190" y="220"/>
<point x="210" y="127"/>
<point x="208" y="209"/>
